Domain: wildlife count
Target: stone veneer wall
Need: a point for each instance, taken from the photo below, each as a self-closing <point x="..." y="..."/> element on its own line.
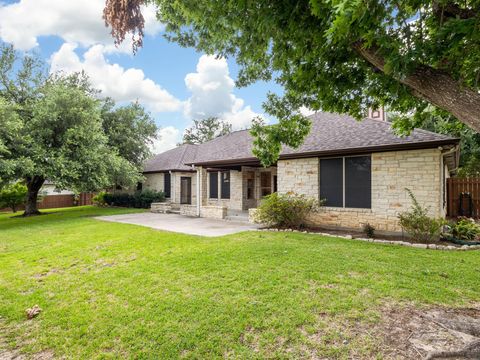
<point x="154" y="181"/>
<point x="212" y="212"/>
<point x="235" y="201"/>
<point x="392" y="172"/>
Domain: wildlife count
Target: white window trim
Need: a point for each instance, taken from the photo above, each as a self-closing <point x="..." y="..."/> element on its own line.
<point x="343" y="180"/>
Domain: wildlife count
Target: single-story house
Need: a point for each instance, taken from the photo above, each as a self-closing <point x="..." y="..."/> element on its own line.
<point x="360" y="169"/>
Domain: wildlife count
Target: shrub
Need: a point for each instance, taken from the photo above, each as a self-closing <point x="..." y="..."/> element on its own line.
<point x="465" y="229"/>
<point x="99" y="199"/>
<point x="285" y="210"/>
<point x="140" y="199"/>
<point x="369" y="230"/>
<point x="12" y="196"/>
<point x="418" y="224"/>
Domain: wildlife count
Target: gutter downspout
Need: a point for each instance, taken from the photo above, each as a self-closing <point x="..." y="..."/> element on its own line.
<point x="452" y="150"/>
<point x="172" y="193"/>
<point x="198" y="190"/>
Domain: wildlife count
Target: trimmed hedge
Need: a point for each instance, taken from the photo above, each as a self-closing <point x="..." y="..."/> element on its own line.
<point x="140" y="199"/>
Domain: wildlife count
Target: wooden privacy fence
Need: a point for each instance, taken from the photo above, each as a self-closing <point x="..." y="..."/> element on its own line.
<point x="463" y="197"/>
<point x="60" y="201"/>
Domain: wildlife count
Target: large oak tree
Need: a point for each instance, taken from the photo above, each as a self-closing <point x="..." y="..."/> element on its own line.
<point x="54" y="127"/>
<point x="334" y="55"/>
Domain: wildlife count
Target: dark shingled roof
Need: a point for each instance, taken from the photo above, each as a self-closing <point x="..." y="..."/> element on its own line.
<point x="172" y="160"/>
<point x="331" y="134"/>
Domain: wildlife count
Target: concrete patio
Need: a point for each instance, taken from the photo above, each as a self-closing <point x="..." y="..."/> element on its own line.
<point x="182" y="224"/>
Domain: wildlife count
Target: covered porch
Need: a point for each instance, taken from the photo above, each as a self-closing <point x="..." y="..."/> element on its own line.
<point x="229" y="191"/>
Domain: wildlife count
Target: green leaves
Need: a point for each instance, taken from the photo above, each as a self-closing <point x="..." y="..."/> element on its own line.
<point x="308" y="47"/>
<point x="205" y="130"/>
<point x="55" y="128"/>
<point x="12" y="196"/>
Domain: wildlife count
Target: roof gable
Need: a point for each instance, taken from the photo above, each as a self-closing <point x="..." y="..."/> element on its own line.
<point x="172" y="160"/>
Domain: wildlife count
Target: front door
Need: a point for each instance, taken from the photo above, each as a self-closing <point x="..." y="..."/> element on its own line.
<point x="185" y="190"/>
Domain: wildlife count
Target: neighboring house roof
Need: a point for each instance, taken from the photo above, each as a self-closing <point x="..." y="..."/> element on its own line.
<point x="172" y="160"/>
<point x="331" y="134"/>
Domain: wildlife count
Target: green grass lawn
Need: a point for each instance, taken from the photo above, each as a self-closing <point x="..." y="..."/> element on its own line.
<point x="112" y="290"/>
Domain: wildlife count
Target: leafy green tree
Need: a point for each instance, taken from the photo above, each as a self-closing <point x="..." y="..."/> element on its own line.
<point x="342" y="55"/>
<point x="51" y="128"/>
<point x="12" y="196"/>
<point x="439" y="121"/>
<point x="130" y="129"/>
<point x="205" y="130"/>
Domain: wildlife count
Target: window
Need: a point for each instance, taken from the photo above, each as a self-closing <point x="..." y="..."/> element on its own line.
<point x="358" y="182"/>
<point x="346" y="182"/>
<point x="265" y="183"/>
<point x="225" y="184"/>
<point x="331" y="181"/>
<point x="213" y="193"/>
<point x="167" y="185"/>
<point x="250" y="189"/>
<point x="250" y="177"/>
<point x="139" y="186"/>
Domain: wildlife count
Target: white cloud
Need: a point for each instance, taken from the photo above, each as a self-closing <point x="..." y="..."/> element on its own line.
<point x="169" y="137"/>
<point x="306" y="111"/>
<point x="212" y="94"/>
<point x="112" y="79"/>
<point x="81" y="22"/>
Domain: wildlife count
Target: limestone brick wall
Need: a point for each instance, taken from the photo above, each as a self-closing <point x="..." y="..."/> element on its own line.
<point x="161" y="208"/>
<point x="392" y="172"/>
<point x="212" y="212"/>
<point x="154" y="181"/>
<point x="298" y="175"/>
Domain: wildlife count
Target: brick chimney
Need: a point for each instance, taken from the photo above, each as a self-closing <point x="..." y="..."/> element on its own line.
<point x="377" y="114"/>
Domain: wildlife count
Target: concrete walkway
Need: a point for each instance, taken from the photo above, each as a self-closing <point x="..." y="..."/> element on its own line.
<point x="182" y="224"/>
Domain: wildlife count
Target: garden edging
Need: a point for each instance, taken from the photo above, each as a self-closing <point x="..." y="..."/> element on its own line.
<point x="380" y="241"/>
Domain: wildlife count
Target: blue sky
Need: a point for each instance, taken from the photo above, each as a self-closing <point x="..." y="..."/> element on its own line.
<point x="175" y="84"/>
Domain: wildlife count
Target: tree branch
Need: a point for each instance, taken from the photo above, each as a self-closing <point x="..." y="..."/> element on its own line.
<point x="435" y="86"/>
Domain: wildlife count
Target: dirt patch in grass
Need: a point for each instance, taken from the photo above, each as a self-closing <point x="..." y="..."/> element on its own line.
<point x="7" y="353"/>
<point x="413" y="333"/>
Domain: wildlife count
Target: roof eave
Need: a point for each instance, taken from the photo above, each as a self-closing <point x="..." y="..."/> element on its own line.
<point x="353" y="151"/>
<point x="167" y="170"/>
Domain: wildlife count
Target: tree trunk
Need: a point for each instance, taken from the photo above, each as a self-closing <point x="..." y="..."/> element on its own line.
<point x="436" y="87"/>
<point x="34" y="184"/>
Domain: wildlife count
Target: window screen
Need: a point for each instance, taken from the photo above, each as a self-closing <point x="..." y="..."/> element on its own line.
<point x="213" y="185"/>
<point x="358" y="182"/>
<point x="167" y="185"/>
<point x="225" y="184"/>
<point x="331" y="181"/>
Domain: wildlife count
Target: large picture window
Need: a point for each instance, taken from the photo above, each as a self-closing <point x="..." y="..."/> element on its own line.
<point x="346" y="182"/>
<point x="213" y="191"/>
<point x="225" y="184"/>
<point x="167" y="185"/>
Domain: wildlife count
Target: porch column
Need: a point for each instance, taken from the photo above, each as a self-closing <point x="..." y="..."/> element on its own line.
<point x="199" y="187"/>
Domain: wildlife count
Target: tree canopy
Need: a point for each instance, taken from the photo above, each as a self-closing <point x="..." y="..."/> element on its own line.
<point x="441" y="122"/>
<point x="205" y="130"/>
<point x="129" y="129"/>
<point x="51" y="127"/>
<point x="342" y="56"/>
